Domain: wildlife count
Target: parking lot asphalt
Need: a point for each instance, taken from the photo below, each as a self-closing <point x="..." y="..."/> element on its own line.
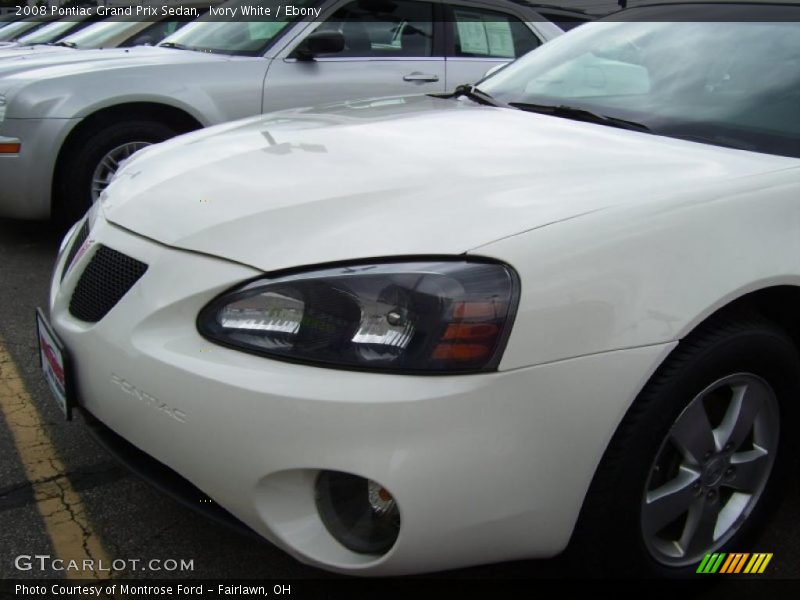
<point x="134" y="521"/>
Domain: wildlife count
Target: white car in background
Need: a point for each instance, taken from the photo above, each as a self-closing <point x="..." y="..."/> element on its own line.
<point x="420" y="333"/>
<point x="122" y="32"/>
<point x="8" y="18"/>
<point x="46" y="34"/>
<point x="66" y="122"/>
<point x="10" y="32"/>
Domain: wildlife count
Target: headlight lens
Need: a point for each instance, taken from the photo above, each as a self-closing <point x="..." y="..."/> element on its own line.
<point x="417" y="317"/>
<point x="3" y="103"/>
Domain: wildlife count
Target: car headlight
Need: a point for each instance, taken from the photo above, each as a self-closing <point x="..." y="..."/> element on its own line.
<point x="420" y="317"/>
<point x="3" y="103"/>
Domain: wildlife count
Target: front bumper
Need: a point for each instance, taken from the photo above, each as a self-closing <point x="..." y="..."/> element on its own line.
<point x="484" y="468"/>
<point x="26" y="177"/>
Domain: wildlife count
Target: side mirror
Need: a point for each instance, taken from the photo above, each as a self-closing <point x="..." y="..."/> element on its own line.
<point x="319" y="42"/>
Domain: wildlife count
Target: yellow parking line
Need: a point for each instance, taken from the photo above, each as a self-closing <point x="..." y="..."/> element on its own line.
<point x="58" y="503"/>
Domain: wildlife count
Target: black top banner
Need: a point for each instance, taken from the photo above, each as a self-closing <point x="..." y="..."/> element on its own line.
<point x="282" y="11"/>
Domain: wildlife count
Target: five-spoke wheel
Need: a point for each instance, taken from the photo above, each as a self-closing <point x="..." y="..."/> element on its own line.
<point x="711" y="469"/>
<point x="696" y="465"/>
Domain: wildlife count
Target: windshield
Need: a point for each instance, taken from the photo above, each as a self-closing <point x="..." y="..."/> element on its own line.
<point x="11" y="32"/>
<point x="50" y="32"/>
<point x="247" y="38"/>
<point x="98" y="34"/>
<point x="732" y="84"/>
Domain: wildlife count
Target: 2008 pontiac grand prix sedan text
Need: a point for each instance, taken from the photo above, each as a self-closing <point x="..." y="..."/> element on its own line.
<point x="416" y="333"/>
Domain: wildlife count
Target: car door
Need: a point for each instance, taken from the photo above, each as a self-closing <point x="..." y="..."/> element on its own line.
<point x="478" y="39"/>
<point x="391" y="48"/>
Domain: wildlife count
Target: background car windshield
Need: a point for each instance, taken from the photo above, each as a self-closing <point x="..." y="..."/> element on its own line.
<point x="734" y="84"/>
<point x="49" y="33"/>
<point x="100" y="34"/>
<point x="95" y="35"/>
<point x="247" y="38"/>
<point x="10" y="32"/>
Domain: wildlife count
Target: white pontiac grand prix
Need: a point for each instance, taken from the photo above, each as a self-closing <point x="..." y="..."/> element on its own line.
<point x="558" y="309"/>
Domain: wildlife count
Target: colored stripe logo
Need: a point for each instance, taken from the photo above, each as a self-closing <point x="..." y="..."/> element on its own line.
<point x="735" y="562"/>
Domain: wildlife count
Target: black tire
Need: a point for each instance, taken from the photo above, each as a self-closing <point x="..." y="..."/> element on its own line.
<point x="72" y="189"/>
<point x="609" y="539"/>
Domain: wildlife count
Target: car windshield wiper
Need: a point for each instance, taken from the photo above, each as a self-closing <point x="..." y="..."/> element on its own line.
<point x="174" y="45"/>
<point x="177" y="46"/>
<point x="580" y="114"/>
<point x="64" y="44"/>
<point x="473" y="93"/>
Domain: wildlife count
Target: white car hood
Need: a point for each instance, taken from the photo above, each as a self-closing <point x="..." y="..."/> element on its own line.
<point x="390" y="177"/>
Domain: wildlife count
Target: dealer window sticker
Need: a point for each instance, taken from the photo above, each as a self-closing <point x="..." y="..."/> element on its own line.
<point x="483" y="34"/>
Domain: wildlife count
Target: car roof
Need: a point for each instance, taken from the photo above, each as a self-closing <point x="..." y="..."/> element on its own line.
<point x="592" y="9"/>
<point x="552" y="8"/>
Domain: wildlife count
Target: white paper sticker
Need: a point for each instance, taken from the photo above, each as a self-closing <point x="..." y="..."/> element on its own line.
<point x="471" y="32"/>
<point x="484" y="35"/>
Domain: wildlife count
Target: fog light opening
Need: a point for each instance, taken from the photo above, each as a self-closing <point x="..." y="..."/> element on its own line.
<point x="359" y="513"/>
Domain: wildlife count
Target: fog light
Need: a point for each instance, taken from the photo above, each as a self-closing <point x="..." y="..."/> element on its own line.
<point x="360" y="513"/>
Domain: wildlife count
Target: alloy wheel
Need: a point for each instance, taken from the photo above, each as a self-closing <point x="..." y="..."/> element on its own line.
<point x="711" y="469"/>
<point x="109" y="164"/>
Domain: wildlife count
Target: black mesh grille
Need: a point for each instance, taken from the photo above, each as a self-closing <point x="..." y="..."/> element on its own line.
<point x="77" y="242"/>
<point x="107" y="278"/>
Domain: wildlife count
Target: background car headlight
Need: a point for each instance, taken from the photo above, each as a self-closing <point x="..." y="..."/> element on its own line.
<point x="410" y="317"/>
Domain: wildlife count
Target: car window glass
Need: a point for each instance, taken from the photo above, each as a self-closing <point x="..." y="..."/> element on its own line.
<point x="263" y="30"/>
<point x="14" y="30"/>
<point x="97" y="34"/>
<point x="612" y="69"/>
<point x="155" y="33"/>
<point x="50" y="32"/>
<point x="732" y="84"/>
<point x="489" y="34"/>
<point x="245" y="38"/>
<point x="382" y="28"/>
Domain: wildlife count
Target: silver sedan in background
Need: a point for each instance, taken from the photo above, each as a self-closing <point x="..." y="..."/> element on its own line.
<point x="67" y="122"/>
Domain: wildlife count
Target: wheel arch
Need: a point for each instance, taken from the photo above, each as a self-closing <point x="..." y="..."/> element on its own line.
<point x="773" y="303"/>
<point x="178" y="118"/>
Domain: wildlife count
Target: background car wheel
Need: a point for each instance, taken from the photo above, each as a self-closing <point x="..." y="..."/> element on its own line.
<point x="94" y="156"/>
<point x="697" y="463"/>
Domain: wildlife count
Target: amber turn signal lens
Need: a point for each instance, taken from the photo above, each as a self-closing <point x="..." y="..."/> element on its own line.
<point x="478" y="310"/>
<point x="471" y="331"/>
<point x="460" y="352"/>
<point x="10" y="148"/>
